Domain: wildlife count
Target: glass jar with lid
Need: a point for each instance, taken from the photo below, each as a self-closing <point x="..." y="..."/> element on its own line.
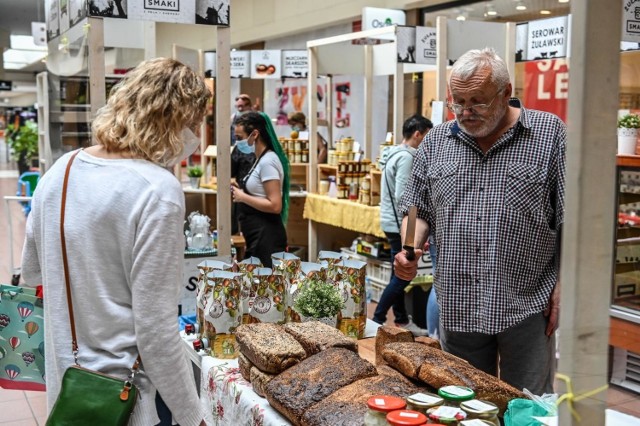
<point x="379" y="407"/>
<point x="475" y="422"/>
<point x="481" y="410"/>
<point x="423" y="401"/>
<point x="406" y="418"/>
<point x="446" y="415"/>
<point x="453" y="395"/>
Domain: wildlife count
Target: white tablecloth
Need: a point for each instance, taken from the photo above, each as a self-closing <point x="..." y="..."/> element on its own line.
<point x="229" y="400"/>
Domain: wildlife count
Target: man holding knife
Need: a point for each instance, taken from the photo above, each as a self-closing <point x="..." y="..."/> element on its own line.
<point x="490" y="185"/>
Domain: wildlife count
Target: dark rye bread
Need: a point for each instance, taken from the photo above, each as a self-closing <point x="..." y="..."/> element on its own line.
<point x="245" y="367"/>
<point x="387" y="334"/>
<point x="259" y="380"/>
<point x="406" y="357"/>
<point x="269" y="347"/>
<point x="298" y="388"/>
<point x="441" y="369"/>
<point x="315" y="336"/>
<point x="348" y="406"/>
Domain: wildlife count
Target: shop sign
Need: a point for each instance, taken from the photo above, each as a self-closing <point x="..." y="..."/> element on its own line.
<point x="406" y="44"/>
<point x="212" y="12"/>
<point x="52" y="10"/>
<point x="631" y="21"/>
<point x="546" y="86"/>
<point x="547" y="38"/>
<point x="426" y="51"/>
<point x="210" y="64"/>
<point x="295" y="63"/>
<point x="375" y="17"/>
<point x="5" y="85"/>
<point x="240" y="67"/>
<point x="266" y="64"/>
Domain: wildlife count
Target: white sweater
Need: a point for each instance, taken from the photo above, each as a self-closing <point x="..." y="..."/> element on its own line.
<point x="123" y="227"/>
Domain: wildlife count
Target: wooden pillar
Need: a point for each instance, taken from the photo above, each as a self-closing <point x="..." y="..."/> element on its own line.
<point x="97" y="86"/>
<point x="588" y="230"/>
<point x="312" y="175"/>
<point x="223" y="138"/>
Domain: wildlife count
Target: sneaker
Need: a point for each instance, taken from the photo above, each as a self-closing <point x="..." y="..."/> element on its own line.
<point x="413" y="328"/>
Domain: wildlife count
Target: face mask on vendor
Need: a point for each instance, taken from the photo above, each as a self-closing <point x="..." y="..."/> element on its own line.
<point x="245" y="147"/>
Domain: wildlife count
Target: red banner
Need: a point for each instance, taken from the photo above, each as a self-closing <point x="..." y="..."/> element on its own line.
<point x="546" y="86"/>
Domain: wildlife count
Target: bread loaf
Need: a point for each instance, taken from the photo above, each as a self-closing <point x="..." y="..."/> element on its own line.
<point x="295" y="390"/>
<point x="441" y="369"/>
<point x="315" y="336"/>
<point x="245" y="366"/>
<point x="434" y="343"/>
<point x="269" y="347"/>
<point x="387" y="334"/>
<point x="259" y="380"/>
<point x="347" y="406"/>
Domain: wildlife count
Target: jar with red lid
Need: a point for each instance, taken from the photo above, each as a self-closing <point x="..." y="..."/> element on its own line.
<point x="379" y="407"/>
<point x="406" y="418"/>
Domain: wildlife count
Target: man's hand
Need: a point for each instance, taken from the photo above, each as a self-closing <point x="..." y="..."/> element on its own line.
<point x="553" y="310"/>
<point x="406" y="269"/>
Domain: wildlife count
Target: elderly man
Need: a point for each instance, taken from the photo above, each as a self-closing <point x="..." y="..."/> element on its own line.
<point x="490" y="185"/>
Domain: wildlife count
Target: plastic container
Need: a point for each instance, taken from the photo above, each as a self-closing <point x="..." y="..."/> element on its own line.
<point x="454" y="395"/>
<point x="379" y="407"/>
<point x="323" y="188"/>
<point x="406" y="418"/>
<point x="333" y="188"/>
<point x="481" y="410"/>
<point x="353" y="191"/>
<point x="423" y="401"/>
<point x="445" y="415"/>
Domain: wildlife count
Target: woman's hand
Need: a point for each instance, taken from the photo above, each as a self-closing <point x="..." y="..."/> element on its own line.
<point x="238" y="195"/>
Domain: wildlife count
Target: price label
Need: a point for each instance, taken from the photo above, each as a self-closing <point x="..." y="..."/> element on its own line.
<point x="444" y="412"/>
<point x="427" y="399"/>
<point x="409" y="415"/>
<point x="474" y="422"/>
<point x="456" y="390"/>
<point x="479" y="405"/>
<point x="380" y="401"/>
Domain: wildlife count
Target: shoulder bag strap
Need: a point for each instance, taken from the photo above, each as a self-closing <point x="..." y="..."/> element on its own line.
<point x="65" y="264"/>
<point x="393" y="204"/>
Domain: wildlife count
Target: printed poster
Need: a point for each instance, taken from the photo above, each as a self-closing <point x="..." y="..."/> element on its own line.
<point x="426" y="45"/>
<point x="546" y="86"/>
<point x="295" y="63"/>
<point x="63" y="15"/>
<point x="77" y="11"/>
<point x="631" y="21"/>
<point x="109" y="8"/>
<point x="547" y="38"/>
<point x="53" y="22"/>
<point x="210" y="64"/>
<point x="266" y="64"/>
<point x="205" y="12"/>
<point x="406" y="44"/>
<point x="240" y="66"/>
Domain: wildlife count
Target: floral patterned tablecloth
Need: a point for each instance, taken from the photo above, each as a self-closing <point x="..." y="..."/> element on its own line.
<point x="230" y="400"/>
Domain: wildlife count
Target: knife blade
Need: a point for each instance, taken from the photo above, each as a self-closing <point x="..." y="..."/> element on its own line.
<point x="410" y="233"/>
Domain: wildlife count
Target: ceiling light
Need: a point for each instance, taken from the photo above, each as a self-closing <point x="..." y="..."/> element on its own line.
<point x="490" y="11"/>
<point x="545" y="12"/>
<point x="563" y="1"/>
<point x="461" y="18"/>
<point x="520" y="6"/>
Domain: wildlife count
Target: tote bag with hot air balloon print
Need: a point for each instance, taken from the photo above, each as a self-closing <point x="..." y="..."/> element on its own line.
<point x="21" y="339"/>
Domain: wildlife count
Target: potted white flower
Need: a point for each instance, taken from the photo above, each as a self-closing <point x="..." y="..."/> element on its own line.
<point x="628" y="126"/>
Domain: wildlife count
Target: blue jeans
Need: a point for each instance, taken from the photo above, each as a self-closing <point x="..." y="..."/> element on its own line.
<point x="433" y="310"/>
<point x="393" y="294"/>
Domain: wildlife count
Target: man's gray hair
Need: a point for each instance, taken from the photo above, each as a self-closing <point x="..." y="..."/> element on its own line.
<point x="475" y="60"/>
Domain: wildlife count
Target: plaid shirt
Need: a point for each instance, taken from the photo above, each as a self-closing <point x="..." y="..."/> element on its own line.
<point x="496" y="219"/>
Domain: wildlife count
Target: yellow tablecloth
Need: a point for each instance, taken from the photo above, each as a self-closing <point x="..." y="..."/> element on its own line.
<point x="343" y="214"/>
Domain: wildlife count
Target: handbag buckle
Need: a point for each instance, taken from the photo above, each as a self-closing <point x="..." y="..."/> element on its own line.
<point x="124" y="394"/>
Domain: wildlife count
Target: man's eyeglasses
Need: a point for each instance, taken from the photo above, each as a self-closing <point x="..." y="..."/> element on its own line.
<point x="458" y="109"/>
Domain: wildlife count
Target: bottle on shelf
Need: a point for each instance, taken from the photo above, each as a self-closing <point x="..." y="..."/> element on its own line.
<point x="333" y="188"/>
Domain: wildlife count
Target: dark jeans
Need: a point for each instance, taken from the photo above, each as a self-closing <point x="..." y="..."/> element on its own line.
<point x="393" y="294"/>
<point x="164" y="414"/>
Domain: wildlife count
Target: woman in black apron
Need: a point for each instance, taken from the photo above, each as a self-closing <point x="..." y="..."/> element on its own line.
<point x="262" y="196"/>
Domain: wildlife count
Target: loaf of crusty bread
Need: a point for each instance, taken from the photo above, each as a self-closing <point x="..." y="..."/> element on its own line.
<point x="406" y="357"/>
<point x="245" y="367"/>
<point x="293" y="391"/>
<point x="387" y="334"/>
<point x="441" y="369"/>
<point x="347" y="406"/>
<point x="269" y="347"/>
<point x="315" y="336"/>
<point x="434" y="343"/>
<point x="259" y="380"/>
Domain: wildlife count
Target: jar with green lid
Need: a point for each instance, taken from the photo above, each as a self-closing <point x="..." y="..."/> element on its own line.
<point x="454" y="395"/>
<point x="379" y="407"/>
<point x="445" y="415"/>
<point x="406" y="418"/>
<point x="481" y="410"/>
<point x="423" y="401"/>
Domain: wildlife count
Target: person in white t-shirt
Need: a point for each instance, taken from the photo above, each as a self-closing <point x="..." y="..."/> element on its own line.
<point x="124" y="242"/>
<point x="262" y="196"/>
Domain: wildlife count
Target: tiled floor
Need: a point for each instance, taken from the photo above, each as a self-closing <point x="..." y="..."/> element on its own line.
<point x="18" y="408"/>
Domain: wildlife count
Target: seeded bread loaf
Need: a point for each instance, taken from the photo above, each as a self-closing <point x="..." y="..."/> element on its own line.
<point x="434" y="343"/>
<point x="406" y="357"/>
<point x="245" y="367"/>
<point x="347" y="406"/>
<point x="269" y="347"/>
<point x="259" y="380"/>
<point x="441" y="369"/>
<point x="387" y="334"/>
<point x="315" y="336"/>
<point x="293" y="391"/>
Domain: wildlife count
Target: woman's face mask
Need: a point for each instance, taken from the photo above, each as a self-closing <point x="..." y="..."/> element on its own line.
<point x="190" y="143"/>
<point x="244" y="146"/>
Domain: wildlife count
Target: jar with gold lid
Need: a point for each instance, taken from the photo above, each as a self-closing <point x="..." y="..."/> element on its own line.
<point x="422" y="401"/>
<point x="481" y="410"/>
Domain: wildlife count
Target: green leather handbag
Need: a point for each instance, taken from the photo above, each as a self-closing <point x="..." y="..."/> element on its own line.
<point x="89" y="397"/>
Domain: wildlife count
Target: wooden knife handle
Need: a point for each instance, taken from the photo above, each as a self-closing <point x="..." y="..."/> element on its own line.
<point x="411" y="254"/>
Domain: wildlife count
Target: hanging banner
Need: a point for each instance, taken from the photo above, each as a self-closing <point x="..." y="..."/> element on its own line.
<point x="546" y="86"/>
<point x="295" y="63"/>
<point x="426" y="45"/>
<point x="52" y="12"/>
<point x="631" y="21"/>
<point x="406" y="44"/>
<point x="205" y="12"/>
<point x="240" y="66"/>
<point x="266" y="64"/>
<point x="77" y="11"/>
<point x="210" y="64"/>
<point x="547" y="38"/>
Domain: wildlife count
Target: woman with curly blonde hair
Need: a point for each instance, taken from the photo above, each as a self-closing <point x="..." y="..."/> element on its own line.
<point x="123" y="226"/>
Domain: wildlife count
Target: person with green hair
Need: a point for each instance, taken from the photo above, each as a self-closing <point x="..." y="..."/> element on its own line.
<point x="262" y="196"/>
